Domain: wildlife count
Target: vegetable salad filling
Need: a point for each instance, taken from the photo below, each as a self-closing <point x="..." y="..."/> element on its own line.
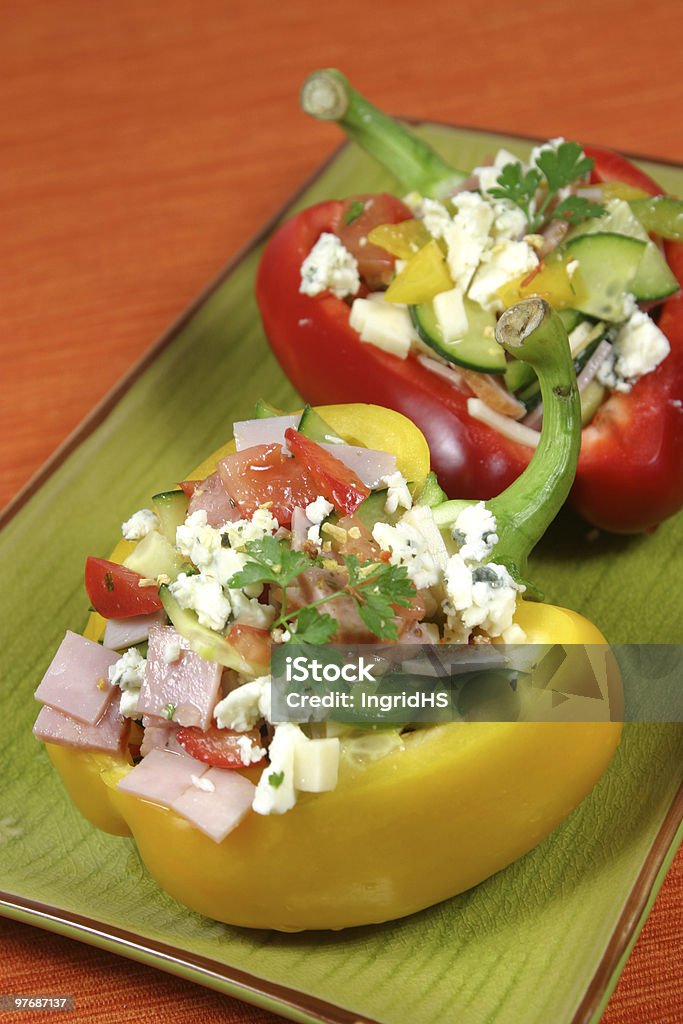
<point x="515" y="230"/>
<point x="296" y="537"/>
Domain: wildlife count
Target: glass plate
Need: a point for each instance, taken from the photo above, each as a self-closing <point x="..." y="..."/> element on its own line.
<point x="544" y="939"/>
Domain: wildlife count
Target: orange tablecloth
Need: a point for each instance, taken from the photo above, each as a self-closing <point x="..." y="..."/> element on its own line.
<point x="144" y="142"/>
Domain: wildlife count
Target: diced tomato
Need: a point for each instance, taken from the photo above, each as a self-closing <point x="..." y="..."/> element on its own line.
<point x="265" y="474"/>
<point x="333" y="479"/>
<point x="358" y="216"/>
<point x="115" y="591"/>
<point x="251" y="642"/>
<point x="217" y="747"/>
<point x="190" y="486"/>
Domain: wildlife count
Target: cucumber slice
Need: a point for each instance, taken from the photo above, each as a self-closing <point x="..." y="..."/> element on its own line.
<point x="155" y="556"/>
<point x="477" y="350"/>
<point x="653" y="279"/>
<point x="372" y="511"/>
<point x="591" y="399"/>
<point x="314" y="426"/>
<point x="171" y="509"/>
<point x="204" y="641"/>
<point x="431" y="494"/>
<point x="608" y="264"/>
<point x="264" y="411"/>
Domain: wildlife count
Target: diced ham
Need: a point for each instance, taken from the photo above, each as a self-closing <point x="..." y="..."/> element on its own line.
<point x="368" y="465"/>
<point x="162" y="776"/>
<point x="270" y="430"/>
<point x="190" y="684"/>
<point x="77" y="681"/>
<point x="211" y="496"/>
<point x="107" y="735"/>
<point x="216" y="811"/>
<point x="158" y="733"/>
<point x="123" y="633"/>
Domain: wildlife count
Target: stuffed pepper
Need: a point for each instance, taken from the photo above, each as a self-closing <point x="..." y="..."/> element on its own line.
<point x="401" y="298"/>
<point x="321" y="526"/>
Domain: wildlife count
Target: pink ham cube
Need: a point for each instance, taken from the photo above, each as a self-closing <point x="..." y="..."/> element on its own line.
<point x="77" y="681"/>
<point x="217" y="803"/>
<point x="108" y="735"/>
<point x="162" y="776"/>
<point x="188" y="685"/>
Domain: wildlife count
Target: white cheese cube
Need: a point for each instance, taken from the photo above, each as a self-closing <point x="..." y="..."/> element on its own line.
<point x="329" y="266"/>
<point x="384" y="324"/>
<point x="451" y="317"/>
<point x="316" y="765"/>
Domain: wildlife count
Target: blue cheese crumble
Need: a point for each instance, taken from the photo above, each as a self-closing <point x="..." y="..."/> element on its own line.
<point x="139" y="525"/>
<point x="329" y="266"/>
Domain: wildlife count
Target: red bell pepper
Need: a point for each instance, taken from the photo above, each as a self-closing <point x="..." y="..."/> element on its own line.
<point x="630" y="472"/>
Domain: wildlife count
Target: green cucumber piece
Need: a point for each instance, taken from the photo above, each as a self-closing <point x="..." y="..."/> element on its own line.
<point x="314" y="426"/>
<point x="477" y="350"/>
<point x="653" y="279"/>
<point x="660" y="215"/>
<point x="431" y="494"/>
<point x="591" y="399"/>
<point x="205" y="642"/>
<point x="264" y="411"/>
<point x="171" y="509"/>
<point x="372" y="511"/>
<point x="609" y="264"/>
<point x="155" y="556"/>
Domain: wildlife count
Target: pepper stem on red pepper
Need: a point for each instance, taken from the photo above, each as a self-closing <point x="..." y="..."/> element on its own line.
<point x="533" y="332"/>
<point x="328" y="95"/>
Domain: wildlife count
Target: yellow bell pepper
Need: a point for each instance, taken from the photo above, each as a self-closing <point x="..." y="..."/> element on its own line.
<point x="459" y="802"/>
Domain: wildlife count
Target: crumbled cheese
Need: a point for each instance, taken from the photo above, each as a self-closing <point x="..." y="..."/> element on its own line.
<point x="203" y="545"/>
<point x="435" y="217"/>
<point x="318" y="510"/>
<point x="509" y="221"/>
<point x="250" y="611"/>
<point x="243" y="706"/>
<point x="275" y="792"/>
<point x="172" y="651"/>
<point x="313" y="536"/>
<point x="140" y="524"/>
<point x="449" y="310"/>
<point x="415" y="542"/>
<point x="203" y="595"/>
<point x="201" y="782"/>
<point x="468" y="236"/>
<point x="128" y="704"/>
<point x="475" y="529"/>
<point x="128" y="672"/>
<point x="384" y="324"/>
<point x="329" y="266"/>
<point x="514" y="634"/>
<point x="483" y="597"/>
<point x="262" y="524"/>
<point x="504" y="262"/>
<point x="639" y="348"/>
<point x="250" y="753"/>
<point x="398" y="492"/>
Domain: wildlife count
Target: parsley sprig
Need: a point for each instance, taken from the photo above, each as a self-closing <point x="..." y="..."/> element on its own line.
<point x="374" y="587"/>
<point x="555" y="169"/>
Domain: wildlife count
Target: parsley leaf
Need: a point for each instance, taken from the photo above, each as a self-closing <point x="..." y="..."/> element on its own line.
<point x="275" y="779"/>
<point x="355" y="210"/>
<point x="313" y="627"/>
<point x="270" y="561"/>
<point x="556" y="168"/>
<point x="517" y="187"/>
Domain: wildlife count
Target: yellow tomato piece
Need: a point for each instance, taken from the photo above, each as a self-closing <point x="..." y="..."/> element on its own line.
<point x="424" y="276"/>
<point x="403" y="240"/>
<point x="557" y="280"/>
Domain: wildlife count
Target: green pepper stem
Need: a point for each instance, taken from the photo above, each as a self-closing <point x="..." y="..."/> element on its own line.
<point x="531" y="331"/>
<point x="328" y="95"/>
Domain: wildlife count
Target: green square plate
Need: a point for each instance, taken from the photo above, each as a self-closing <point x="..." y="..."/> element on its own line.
<point x="542" y="941"/>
